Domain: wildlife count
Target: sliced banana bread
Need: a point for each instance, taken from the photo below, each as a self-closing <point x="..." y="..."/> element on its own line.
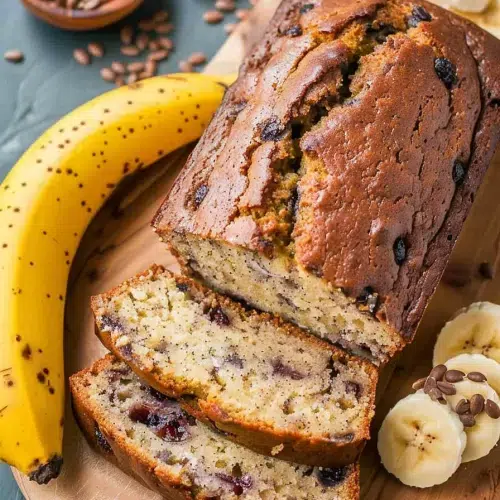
<point x="333" y="182"/>
<point x="265" y="384"/>
<point x="152" y="438"/>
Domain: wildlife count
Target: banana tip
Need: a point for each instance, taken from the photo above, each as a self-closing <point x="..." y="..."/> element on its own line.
<point x="47" y="471"/>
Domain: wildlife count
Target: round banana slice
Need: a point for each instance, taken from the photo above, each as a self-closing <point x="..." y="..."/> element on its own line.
<point x="475" y="330"/>
<point x="484" y="434"/>
<point x="421" y="441"/>
<point x="477" y="363"/>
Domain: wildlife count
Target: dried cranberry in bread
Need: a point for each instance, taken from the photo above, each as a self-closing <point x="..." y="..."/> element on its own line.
<point x="264" y="383"/>
<point x="152" y="438"/>
<point x="333" y="182"/>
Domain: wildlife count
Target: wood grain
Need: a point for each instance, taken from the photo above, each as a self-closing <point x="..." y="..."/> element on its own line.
<point x="120" y="243"/>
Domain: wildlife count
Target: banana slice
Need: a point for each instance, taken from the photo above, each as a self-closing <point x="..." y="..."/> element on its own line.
<point x="475" y="330"/>
<point x="484" y="435"/>
<point x="477" y="363"/>
<point x="421" y="441"/>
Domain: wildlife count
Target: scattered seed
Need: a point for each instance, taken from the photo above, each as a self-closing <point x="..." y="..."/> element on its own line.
<point x="147" y="25"/>
<point x="476" y="377"/>
<point x="160" y="16"/>
<point x="154" y="45"/>
<point x="438" y="372"/>
<point x="419" y="384"/>
<point x="164" y="42"/>
<point x="151" y="67"/>
<point x="454" y="376"/>
<point x="476" y="404"/>
<point x="446" y="388"/>
<point x="486" y="270"/>
<point x="197" y="58"/>
<point x="108" y="74"/>
<point x="185" y="67"/>
<point x="118" y="67"/>
<point x="142" y="41"/>
<point x="158" y="55"/>
<point x="492" y="409"/>
<point x="132" y="78"/>
<point x="213" y="16"/>
<point x="129" y="50"/>
<point x="242" y="14"/>
<point x="230" y="27"/>
<point x="467" y="419"/>
<point x="143" y="75"/>
<point x="463" y="406"/>
<point x="14" y="56"/>
<point x="127" y="35"/>
<point x="95" y="49"/>
<point x="135" y="67"/>
<point x="164" y="28"/>
<point x="225" y="5"/>
<point x="435" y="394"/>
<point x="81" y="56"/>
<point x="430" y="383"/>
<point x="119" y="81"/>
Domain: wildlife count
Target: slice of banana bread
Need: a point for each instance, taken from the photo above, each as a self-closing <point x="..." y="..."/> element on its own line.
<point x="152" y="438"/>
<point x="333" y="182"/>
<point x="265" y="384"/>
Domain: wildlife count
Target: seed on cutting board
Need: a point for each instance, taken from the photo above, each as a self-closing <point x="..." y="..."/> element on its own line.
<point x="185" y="67"/>
<point x="164" y="28"/>
<point x="129" y="50"/>
<point x="160" y="16"/>
<point x="81" y="56"/>
<point x="213" y="16"/>
<point x="132" y="78"/>
<point x="417" y="385"/>
<point x="463" y="406"/>
<point x="197" y="58"/>
<point x="225" y="5"/>
<point x="467" y="419"/>
<point x="438" y="372"/>
<point x="142" y="41"/>
<point x="95" y="49"/>
<point x="165" y="42"/>
<point x="13" y="56"/>
<point x="127" y="35"/>
<point x="492" y="409"/>
<point x="454" y="376"/>
<point x="242" y="14"/>
<point x="476" y="404"/>
<point x="446" y="388"/>
<point x="135" y="67"/>
<point x="108" y="74"/>
<point x="230" y="27"/>
<point x="118" y="67"/>
<point x="476" y="377"/>
<point x="158" y="55"/>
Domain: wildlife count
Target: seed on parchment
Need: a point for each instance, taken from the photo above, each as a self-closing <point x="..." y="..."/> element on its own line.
<point x="81" y="56"/>
<point x="225" y="5"/>
<point x="241" y="14"/>
<point x="142" y="41"/>
<point x="132" y="78"/>
<point x="127" y="34"/>
<point x="164" y="28"/>
<point x="118" y="67"/>
<point x="230" y="27"/>
<point x="160" y="16"/>
<point x="197" y="58"/>
<point x="108" y="74"/>
<point x="213" y="16"/>
<point x="13" y="56"/>
<point x="165" y="42"/>
<point x="158" y="55"/>
<point x="129" y="50"/>
<point x="185" y="67"/>
<point x="135" y="67"/>
<point x="95" y="49"/>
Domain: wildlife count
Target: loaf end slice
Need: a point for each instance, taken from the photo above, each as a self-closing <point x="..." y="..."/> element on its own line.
<point x="264" y="383"/>
<point x="151" y="438"/>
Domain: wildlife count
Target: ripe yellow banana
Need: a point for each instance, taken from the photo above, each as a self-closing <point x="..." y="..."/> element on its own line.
<point x="46" y="203"/>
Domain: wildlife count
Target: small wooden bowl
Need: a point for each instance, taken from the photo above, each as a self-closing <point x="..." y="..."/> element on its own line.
<point x="82" y="20"/>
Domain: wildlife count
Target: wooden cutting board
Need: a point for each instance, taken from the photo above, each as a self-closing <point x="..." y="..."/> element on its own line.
<point x="120" y="243"/>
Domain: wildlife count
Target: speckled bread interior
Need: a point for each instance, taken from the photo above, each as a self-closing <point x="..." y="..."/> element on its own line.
<point x="152" y="438"/>
<point x="335" y="178"/>
<point x="264" y="383"/>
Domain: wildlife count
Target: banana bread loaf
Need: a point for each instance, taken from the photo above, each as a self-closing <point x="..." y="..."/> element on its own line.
<point x="265" y="384"/>
<point x="333" y="182"/>
<point x="152" y="438"/>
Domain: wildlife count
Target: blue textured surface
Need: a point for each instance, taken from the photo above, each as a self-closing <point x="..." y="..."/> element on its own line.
<point x="50" y="83"/>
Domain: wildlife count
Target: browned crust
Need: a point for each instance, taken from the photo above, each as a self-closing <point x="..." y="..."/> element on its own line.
<point x="297" y="447"/>
<point x="403" y="292"/>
